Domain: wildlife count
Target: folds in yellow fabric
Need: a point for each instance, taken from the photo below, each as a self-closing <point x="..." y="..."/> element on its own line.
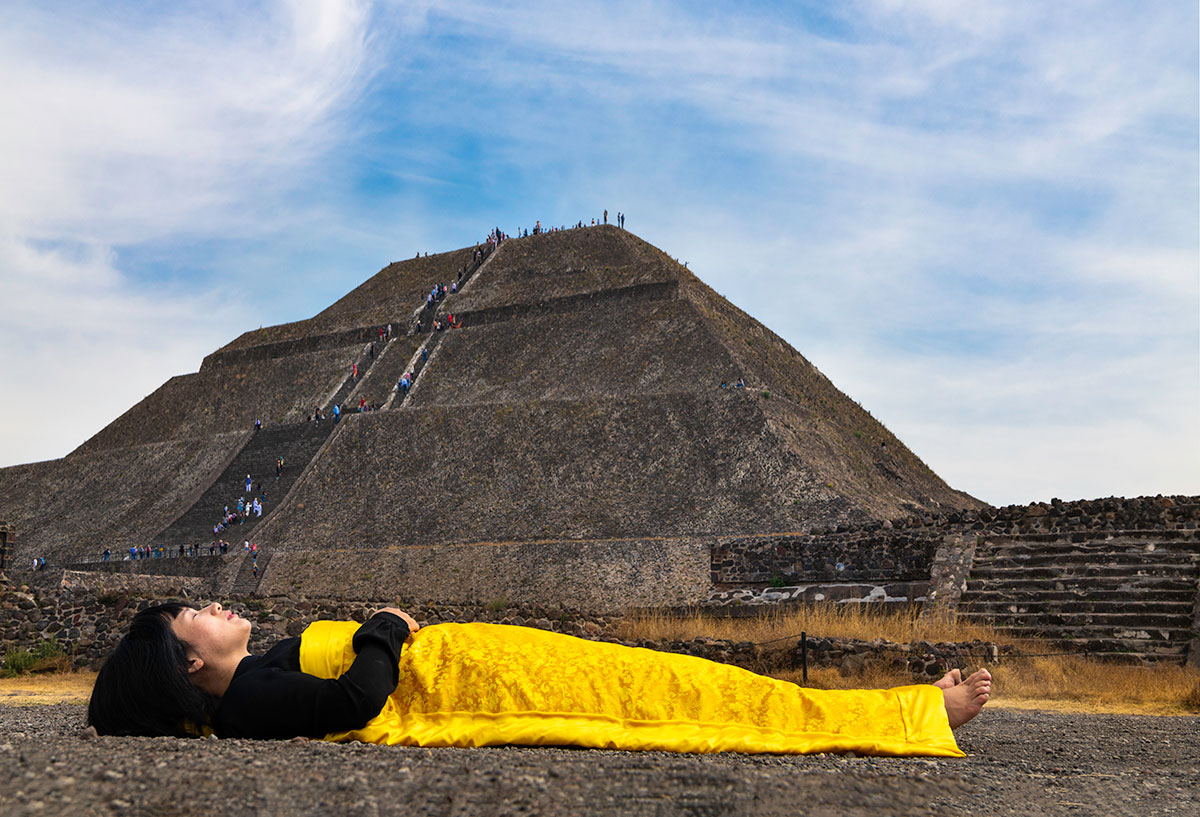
<point x="491" y="684"/>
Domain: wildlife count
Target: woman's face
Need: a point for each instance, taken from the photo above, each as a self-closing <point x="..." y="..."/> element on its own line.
<point x="212" y="631"/>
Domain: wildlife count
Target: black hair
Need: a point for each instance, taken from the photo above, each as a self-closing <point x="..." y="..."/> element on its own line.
<point x="143" y="687"/>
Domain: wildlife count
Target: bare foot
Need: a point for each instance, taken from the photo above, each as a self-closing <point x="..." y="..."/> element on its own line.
<point x="963" y="701"/>
<point x="951" y="679"/>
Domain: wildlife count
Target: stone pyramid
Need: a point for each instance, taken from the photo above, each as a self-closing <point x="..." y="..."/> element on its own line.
<point x="576" y="407"/>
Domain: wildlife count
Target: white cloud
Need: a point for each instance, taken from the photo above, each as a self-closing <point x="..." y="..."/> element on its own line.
<point x="123" y="128"/>
<point x="127" y="129"/>
<point x="82" y="344"/>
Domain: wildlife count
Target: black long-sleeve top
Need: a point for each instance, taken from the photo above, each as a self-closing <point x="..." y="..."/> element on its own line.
<point x="270" y="698"/>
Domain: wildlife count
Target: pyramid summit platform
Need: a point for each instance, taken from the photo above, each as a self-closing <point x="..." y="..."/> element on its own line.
<point x="571" y="426"/>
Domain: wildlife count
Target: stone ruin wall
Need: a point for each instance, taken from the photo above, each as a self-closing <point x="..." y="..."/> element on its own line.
<point x="1080" y="517"/>
<point x="868" y="565"/>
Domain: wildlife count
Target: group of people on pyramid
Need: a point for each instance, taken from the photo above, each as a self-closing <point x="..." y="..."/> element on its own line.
<point x="538" y="229"/>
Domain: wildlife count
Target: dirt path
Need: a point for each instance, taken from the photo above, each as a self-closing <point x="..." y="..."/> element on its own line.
<point x="1019" y="763"/>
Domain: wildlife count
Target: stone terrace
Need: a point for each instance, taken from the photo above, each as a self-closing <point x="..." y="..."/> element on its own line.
<point x="570" y="263"/>
<point x="390" y="296"/>
<point x="859" y="457"/>
<point x="228" y="398"/>
<point x="91" y="509"/>
<point x="625" y="349"/>
<point x="681" y="463"/>
<point x="1115" y="592"/>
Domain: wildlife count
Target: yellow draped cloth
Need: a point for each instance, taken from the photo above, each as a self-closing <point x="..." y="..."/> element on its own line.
<point x="491" y="684"/>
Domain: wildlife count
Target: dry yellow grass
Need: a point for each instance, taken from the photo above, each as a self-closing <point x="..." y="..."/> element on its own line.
<point x="1074" y="684"/>
<point x="818" y="620"/>
<point x="48" y="688"/>
<point x="1058" y="683"/>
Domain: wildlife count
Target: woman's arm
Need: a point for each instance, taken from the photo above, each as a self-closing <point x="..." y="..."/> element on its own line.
<point x="282" y="702"/>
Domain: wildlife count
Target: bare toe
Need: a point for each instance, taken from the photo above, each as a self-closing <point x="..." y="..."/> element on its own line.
<point x="950" y="679"/>
<point x="964" y="701"/>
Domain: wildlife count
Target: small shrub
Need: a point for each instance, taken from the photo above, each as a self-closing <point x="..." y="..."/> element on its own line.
<point x="766" y="394"/>
<point x="777" y="581"/>
<point x="47" y="656"/>
<point x="497" y="605"/>
<point x="17" y="662"/>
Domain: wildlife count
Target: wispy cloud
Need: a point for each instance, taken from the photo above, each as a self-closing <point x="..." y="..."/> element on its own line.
<point x="124" y="127"/>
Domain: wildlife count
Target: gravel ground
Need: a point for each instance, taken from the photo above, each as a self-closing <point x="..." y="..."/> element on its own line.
<point x="1019" y="763"/>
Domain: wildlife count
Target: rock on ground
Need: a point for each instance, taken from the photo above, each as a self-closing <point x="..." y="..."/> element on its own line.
<point x="1019" y="763"/>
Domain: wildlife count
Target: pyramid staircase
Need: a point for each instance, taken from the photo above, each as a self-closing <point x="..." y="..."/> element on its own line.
<point x="424" y="317"/>
<point x="1117" y="593"/>
<point x="297" y="443"/>
<point x="245" y="584"/>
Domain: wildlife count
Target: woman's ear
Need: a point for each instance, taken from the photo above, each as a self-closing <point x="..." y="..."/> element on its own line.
<point x="194" y="663"/>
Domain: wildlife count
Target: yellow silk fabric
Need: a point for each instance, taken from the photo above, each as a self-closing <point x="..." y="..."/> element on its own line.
<point x="490" y="684"/>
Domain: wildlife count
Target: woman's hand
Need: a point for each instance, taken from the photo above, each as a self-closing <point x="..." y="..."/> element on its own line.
<point x="413" y="626"/>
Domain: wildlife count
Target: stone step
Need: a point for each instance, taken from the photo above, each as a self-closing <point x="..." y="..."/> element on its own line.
<point x="297" y="443"/>
<point x="1047" y="571"/>
<point x="246" y="583"/>
<point x="1161" y="636"/>
<point x="986" y="592"/>
<point x="1109" y="647"/>
<point x="1071" y="620"/>
<point x="1189" y="547"/>
<point x="1108" y="557"/>
<point x="1037" y="605"/>
<point x="1098" y="583"/>
<point x="1076" y="534"/>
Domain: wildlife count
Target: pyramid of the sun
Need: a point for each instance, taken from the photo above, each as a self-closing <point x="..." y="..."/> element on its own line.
<point x="576" y="410"/>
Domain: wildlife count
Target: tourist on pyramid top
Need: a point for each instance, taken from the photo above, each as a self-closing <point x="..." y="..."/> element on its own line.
<point x="181" y="671"/>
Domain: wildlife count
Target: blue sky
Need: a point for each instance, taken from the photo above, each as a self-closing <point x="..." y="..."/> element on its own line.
<point x="979" y="219"/>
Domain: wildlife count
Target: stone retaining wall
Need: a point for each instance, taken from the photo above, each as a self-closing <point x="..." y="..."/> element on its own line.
<point x="855" y="556"/>
<point x="862" y="593"/>
<point x="659" y="291"/>
<point x="1159" y="513"/>
<point x="286" y="348"/>
<point x="599" y="576"/>
<point x="1193" y="653"/>
<point x="201" y="566"/>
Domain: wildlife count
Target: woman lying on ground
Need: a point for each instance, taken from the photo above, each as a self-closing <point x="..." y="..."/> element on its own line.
<point x="181" y="671"/>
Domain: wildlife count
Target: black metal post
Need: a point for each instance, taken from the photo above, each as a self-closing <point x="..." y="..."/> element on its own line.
<point x="804" y="655"/>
